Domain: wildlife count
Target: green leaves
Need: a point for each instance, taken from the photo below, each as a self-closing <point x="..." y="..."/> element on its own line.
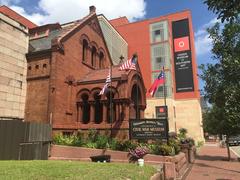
<point x="227" y="10"/>
<point x="222" y="79"/>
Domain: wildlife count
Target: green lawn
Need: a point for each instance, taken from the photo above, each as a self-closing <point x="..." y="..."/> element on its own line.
<point x="32" y="170"/>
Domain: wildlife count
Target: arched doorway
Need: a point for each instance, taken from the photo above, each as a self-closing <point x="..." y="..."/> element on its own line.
<point x="110" y="102"/>
<point x="136" y="99"/>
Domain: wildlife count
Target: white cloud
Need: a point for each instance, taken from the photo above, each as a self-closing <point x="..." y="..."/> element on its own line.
<point x="203" y="43"/>
<point x="9" y="2"/>
<point x="35" y="17"/>
<point x="64" y="11"/>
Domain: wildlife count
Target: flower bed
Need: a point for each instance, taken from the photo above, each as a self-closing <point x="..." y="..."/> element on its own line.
<point x="175" y="166"/>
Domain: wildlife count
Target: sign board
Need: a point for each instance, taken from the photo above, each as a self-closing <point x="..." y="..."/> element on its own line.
<point x="161" y="112"/>
<point x="148" y="129"/>
<point x="182" y="56"/>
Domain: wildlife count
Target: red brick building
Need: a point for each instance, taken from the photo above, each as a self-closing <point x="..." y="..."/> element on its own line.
<point x="168" y="41"/>
<point x="67" y="68"/>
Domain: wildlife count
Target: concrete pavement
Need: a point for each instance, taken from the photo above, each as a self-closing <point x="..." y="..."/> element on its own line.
<point x="212" y="164"/>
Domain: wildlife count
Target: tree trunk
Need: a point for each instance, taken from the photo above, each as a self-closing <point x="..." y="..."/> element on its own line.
<point x="228" y="149"/>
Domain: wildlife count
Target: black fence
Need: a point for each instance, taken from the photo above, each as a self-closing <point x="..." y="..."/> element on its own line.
<point x="24" y="140"/>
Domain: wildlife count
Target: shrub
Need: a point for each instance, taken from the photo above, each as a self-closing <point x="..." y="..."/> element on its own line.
<point x="72" y="140"/>
<point x="167" y="150"/>
<point x="125" y="145"/>
<point x="175" y="144"/>
<point x="200" y="144"/>
<point x="182" y="133"/>
<point x="102" y="142"/>
<point x="113" y="144"/>
<point x="90" y="145"/>
<point x="92" y="135"/>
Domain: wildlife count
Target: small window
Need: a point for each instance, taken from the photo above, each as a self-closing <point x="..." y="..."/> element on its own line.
<point x="101" y="58"/>
<point x="84" y="50"/>
<point x="37" y="66"/>
<point x="158" y="36"/>
<point x="29" y="68"/>
<point x="44" y="65"/>
<point x="93" y="57"/>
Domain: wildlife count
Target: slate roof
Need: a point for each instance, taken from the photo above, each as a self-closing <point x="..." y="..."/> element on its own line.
<point x="57" y="35"/>
<point x="45" y="42"/>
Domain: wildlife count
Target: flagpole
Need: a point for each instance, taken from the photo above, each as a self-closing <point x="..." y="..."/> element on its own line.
<point x="165" y="101"/>
<point x="111" y="105"/>
<point x="137" y="108"/>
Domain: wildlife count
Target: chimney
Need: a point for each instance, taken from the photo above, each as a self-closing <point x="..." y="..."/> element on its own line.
<point x="92" y="9"/>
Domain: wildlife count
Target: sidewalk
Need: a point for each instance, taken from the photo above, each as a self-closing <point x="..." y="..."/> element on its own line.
<point x="211" y="164"/>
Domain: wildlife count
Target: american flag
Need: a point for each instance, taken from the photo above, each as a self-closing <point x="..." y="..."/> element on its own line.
<point x="129" y="64"/>
<point x="107" y="82"/>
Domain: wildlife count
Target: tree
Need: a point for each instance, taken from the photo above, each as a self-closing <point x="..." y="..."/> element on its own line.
<point x="222" y="87"/>
<point x="226" y="9"/>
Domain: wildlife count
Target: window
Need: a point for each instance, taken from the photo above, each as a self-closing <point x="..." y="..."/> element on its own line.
<point x="157" y="35"/>
<point x="93" y="56"/>
<point x="44" y="65"/>
<point x="101" y="58"/>
<point x="84" y="50"/>
<point x="86" y="109"/>
<point x="160" y="56"/>
<point x="37" y="66"/>
<point x="159" y="32"/>
<point x="29" y="68"/>
<point x="98" y="109"/>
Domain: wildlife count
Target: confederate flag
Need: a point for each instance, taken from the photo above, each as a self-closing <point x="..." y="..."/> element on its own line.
<point x="129" y="64"/>
<point x="160" y="80"/>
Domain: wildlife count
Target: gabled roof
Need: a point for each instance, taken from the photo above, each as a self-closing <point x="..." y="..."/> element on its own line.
<point x="17" y="17"/>
<point x="101" y="74"/>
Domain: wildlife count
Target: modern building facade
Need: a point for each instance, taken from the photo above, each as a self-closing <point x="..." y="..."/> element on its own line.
<point x="13" y="67"/>
<point x="168" y="41"/>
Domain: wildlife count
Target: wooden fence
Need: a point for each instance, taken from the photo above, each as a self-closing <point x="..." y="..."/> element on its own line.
<point x="24" y="140"/>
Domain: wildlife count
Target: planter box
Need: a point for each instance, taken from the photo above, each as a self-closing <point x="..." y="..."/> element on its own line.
<point x="190" y="152"/>
<point x="173" y="166"/>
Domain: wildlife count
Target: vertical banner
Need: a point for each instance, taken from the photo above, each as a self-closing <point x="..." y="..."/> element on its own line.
<point x="182" y="56"/>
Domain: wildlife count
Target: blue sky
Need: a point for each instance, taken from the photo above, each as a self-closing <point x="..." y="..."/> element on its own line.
<point x="51" y="11"/>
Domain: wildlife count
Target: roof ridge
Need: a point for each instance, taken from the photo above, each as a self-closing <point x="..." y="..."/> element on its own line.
<point x="76" y="24"/>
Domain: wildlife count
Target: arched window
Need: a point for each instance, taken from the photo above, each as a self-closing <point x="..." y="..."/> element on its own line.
<point x="84" y="50"/>
<point x="98" y="109"/>
<point x="86" y="109"/>
<point x="109" y="101"/>
<point x="93" y="56"/>
<point x="101" y="58"/>
<point x="136" y="98"/>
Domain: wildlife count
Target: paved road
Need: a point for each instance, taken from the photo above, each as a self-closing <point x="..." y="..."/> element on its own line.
<point x="212" y="164"/>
